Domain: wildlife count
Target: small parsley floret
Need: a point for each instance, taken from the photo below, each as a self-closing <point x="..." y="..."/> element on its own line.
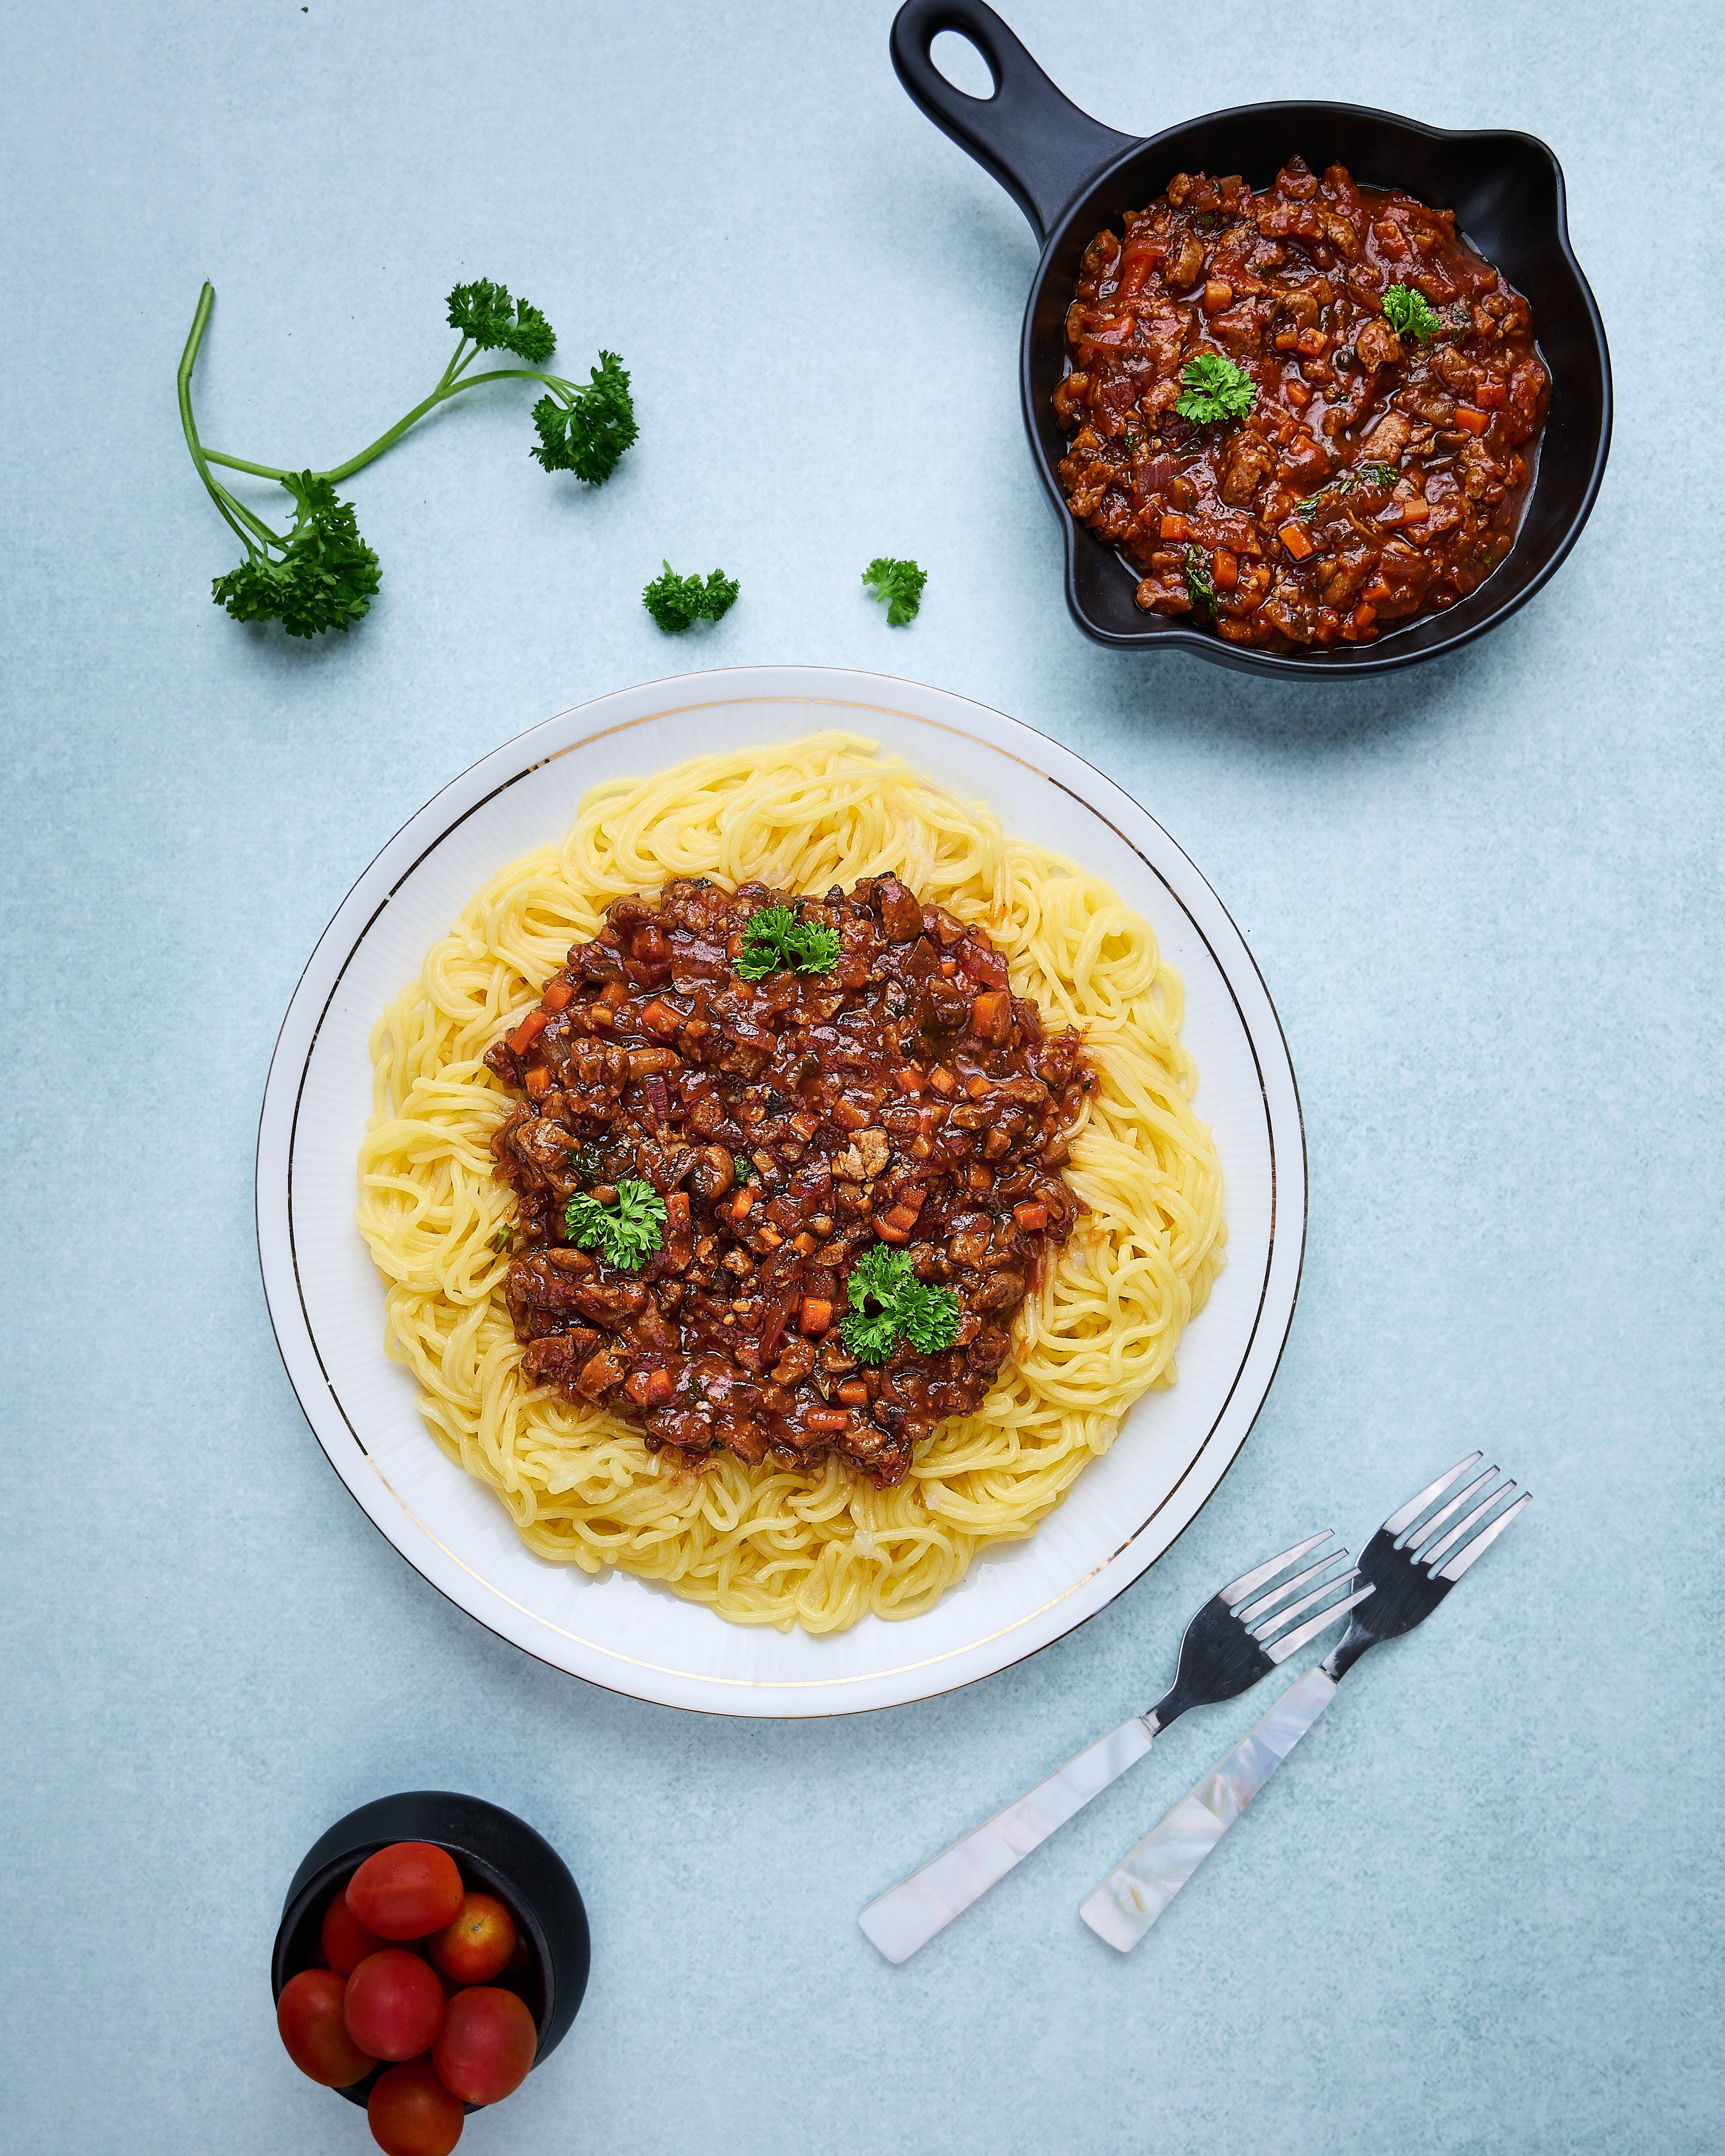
<point x="1200" y="584"/>
<point x="743" y="1167"/>
<point x="1409" y="313"/>
<point x="319" y="574"/>
<point x="907" y="1308"/>
<point x="899" y="584"/>
<point x="677" y="602"/>
<point x="625" y="1232"/>
<point x="1216" y="390"/>
<point x="776" y="940"/>
<point x="587" y="430"/>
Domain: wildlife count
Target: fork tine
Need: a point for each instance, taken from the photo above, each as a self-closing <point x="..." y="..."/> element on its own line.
<point x="1314" y="1626"/>
<point x="1423" y="1532"/>
<point x="1250" y="1615"/>
<point x="1262" y="1632"/>
<point x="1483" y="1541"/>
<point x="1237" y="1590"/>
<point x="1415" y="1506"/>
<point x="1462" y="1528"/>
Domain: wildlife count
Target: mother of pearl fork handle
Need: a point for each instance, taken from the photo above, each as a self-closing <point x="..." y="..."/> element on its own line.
<point x="926" y="1902"/>
<point x="1146" y="1879"/>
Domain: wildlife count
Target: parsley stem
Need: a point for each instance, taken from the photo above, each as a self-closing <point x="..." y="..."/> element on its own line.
<point x="231" y="510"/>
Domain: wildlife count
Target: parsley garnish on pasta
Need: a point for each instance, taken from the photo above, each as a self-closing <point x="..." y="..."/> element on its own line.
<point x="926" y="1317"/>
<point x="627" y="1231"/>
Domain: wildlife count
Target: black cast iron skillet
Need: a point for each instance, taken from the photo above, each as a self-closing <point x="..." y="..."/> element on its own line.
<point x="1071" y="176"/>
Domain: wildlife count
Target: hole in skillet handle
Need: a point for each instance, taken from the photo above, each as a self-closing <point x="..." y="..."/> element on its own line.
<point x="964" y="65"/>
<point x="1026" y="134"/>
<point x="497" y="1853"/>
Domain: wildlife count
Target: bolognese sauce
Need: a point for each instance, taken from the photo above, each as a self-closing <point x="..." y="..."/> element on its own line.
<point x="1372" y="460"/>
<point x="880" y="1102"/>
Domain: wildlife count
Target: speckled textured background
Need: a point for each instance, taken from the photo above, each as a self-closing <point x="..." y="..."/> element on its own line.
<point x="1479" y="1908"/>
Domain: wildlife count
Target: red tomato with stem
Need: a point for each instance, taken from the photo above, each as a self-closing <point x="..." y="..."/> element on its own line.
<point x="309" y="2013"/>
<point x="479" y="1945"/>
<point x="412" y="2113"/>
<point x="405" y="1890"/>
<point x="394" y="2005"/>
<point x="486" y="2044"/>
<point x="346" y="1941"/>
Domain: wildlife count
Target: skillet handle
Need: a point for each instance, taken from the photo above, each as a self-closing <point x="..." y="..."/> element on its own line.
<point x="1034" y="139"/>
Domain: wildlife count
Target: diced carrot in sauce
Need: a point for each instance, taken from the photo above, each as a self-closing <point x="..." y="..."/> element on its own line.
<point x="908" y="1080"/>
<point x="1373" y="592"/>
<point x="1312" y="344"/>
<point x="978" y="1087"/>
<point x="1298" y="394"/>
<point x="1489" y="393"/>
<point x="815" y="1317"/>
<point x="827" y="1419"/>
<point x="1285" y="340"/>
<point x="1363" y="616"/>
<point x="1224" y="569"/>
<point x="1297" y="539"/>
<point x="941" y="1079"/>
<point x="1217" y="294"/>
<point x="853" y="1392"/>
<point x="537" y="1082"/>
<point x="1117" y="330"/>
<point x="1030" y="1217"/>
<point x="740" y="1204"/>
<point x="557" y="993"/>
<point x="991" y="1014"/>
<point x="528" y="1031"/>
<point x="649" y="1388"/>
<point x="660" y="1018"/>
<point x="1476" y="422"/>
<point x="1174" y="527"/>
<point x="613" y="995"/>
<point x="849" y="1116"/>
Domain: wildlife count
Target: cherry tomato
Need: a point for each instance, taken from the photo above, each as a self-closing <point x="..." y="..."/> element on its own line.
<point x="412" y="2113"/>
<point x="346" y="1940"/>
<point x="479" y="1945"/>
<point x="315" y="2030"/>
<point x="394" y="2005"/>
<point x="485" y="2045"/>
<point x="406" y="1891"/>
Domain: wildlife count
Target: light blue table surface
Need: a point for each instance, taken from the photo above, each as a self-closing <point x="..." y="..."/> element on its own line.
<point x="1480" y="1909"/>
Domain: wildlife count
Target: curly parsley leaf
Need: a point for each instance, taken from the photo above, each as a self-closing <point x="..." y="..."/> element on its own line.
<point x="899" y="584"/>
<point x="776" y="939"/>
<point x="586" y="429"/>
<point x="906" y="1308"/>
<point x="743" y="1167"/>
<point x="586" y="1163"/>
<point x="677" y="602"/>
<point x="485" y="313"/>
<point x="1200" y="582"/>
<point x="1216" y="390"/>
<point x="1409" y="313"/>
<point x="625" y="1232"/>
<point x="320" y="576"/>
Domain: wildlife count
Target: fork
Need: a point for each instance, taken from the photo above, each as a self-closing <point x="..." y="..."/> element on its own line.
<point x="1413" y="1561"/>
<point x="1239" y="1635"/>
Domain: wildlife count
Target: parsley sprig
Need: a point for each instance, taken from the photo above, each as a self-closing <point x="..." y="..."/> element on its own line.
<point x="1200" y="584"/>
<point x="625" y="1232"/>
<point x="906" y="1308"/>
<point x="677" y="602"/>
<point x="319" y="574"/>
<point x="1409" y="313"/>
<point x="899" y="584"/>
<point x="1216" y="389"/>
<point x="775" y="938"/>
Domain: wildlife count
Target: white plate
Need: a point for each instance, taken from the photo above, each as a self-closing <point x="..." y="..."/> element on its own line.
<point x="327" y="1300"/>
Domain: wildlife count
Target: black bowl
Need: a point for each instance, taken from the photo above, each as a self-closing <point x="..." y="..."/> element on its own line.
<point x="1071" y="176"/>
<point x="498" y="1853"/>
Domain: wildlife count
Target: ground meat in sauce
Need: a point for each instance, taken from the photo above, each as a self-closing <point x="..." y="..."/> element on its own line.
<point x="1376" y="478"/>
<point x="906" y="1097"/>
